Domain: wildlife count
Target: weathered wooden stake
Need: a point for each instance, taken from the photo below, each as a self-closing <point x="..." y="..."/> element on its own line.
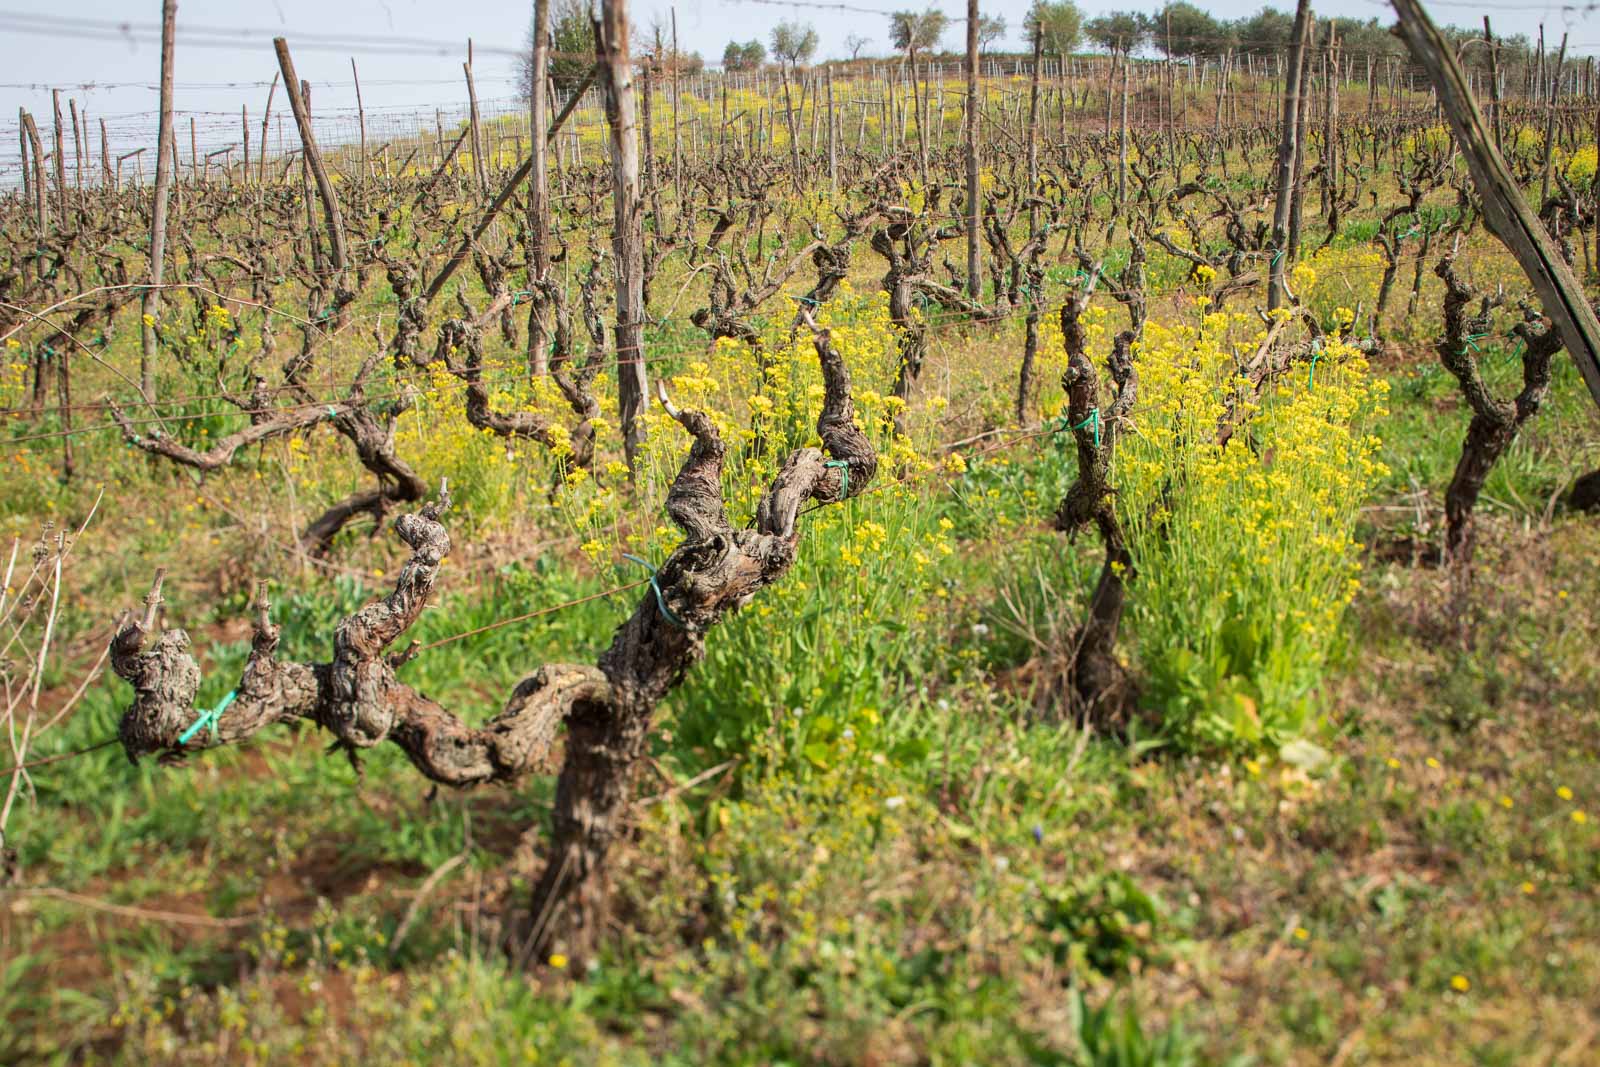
<point x="538" y="187"/>
<point x="361" y="118"/>
<point x="60" y="160"/>
<point x="266" y="124"/>
<point x="308" y="143"/>
<point x="974" y="282"/>
<point x="1287" y="149"/>
<point x="1505" y="210"/>
<point x="472" y="114"/>
<point x="158" y="213"/>
<point x="616" y="81"/>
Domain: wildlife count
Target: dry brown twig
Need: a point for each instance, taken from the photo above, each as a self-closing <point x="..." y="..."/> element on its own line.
<point x="22" y="695"/>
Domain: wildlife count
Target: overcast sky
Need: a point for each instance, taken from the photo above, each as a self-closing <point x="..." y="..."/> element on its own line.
<point x="114" y="77"/>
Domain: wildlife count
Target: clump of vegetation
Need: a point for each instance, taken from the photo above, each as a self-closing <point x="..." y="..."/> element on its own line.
<point x="1241" y="495"/>
<point x="884" y="654"/>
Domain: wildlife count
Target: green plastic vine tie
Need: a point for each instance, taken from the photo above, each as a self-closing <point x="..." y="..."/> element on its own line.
<point x="1311" y="378"/>
<point x="516" y="297"/>
<point x="661" y="600"/>
<point x="332" y="414"/>
<point x="1091" y="420"/>
<point x="208" y="718"/>
<point x="844" y="477"/>
<point x="1472" y="340"/>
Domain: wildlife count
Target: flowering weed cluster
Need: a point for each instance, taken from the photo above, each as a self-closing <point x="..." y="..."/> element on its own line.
<point x="1244" y="550"/>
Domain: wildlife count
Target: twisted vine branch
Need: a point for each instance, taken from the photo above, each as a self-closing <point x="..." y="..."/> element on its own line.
<point x="607" y="708"/>
<point x="1092" y="669"/>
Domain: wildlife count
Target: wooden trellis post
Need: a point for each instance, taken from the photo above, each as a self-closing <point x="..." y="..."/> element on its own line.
<point x="538" y="186"/>
<point x="158" y="212"/>
<point x="308" y="142"/>
<point x="1505" y="210"/>
<point x="1288" y="148"/>
<point x="974" y="282"/>
<point x="627" y="240"/>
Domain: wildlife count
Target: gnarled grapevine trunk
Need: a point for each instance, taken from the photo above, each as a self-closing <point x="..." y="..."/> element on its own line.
<point x="1093" y="675"/>
<point x="608" y="708"/>
<point x="897" y="282"/>
<point x="1494" y="422"/>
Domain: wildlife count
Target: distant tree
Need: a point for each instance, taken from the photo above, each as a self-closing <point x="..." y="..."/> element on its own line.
<point x="793" y="43"/>
<point x="1058" y="24"/>
<point x="991" y="28"/>
<point x="912" y="32"/>
<point x="742" y="57"/>
<point x="1183" y="31"/>
<point x="661" y="53"/>
<point x="650" y="41"/>
<point x="855" y="42"/>
<point x="1118" y="31"/>
<point x="1368" y="37"/>
<point x="572" y="45"/>
<point x="1267" y="32"/>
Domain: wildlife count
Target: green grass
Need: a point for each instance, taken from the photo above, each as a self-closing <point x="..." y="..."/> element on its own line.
<point x="948" y="881"/>
<point x="890" y="855"/>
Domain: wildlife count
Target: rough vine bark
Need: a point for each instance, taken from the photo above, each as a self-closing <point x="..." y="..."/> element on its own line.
<point x="611" y="33"/>
<point x="369" y="426"/>
<point x="1495" y="422"/>
<point x="371" y="431"/>
<point x="608" y="709"/>
<point x="1093" y="675"/>
<point x="462" y="338"/>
